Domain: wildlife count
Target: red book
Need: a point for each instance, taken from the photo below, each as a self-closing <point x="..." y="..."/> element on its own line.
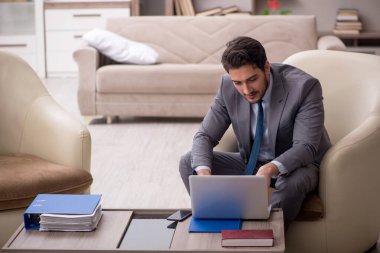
<point x="247" y="238"/>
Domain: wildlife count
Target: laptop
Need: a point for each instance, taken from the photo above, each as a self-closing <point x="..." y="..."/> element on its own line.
<point x="229" y="197"/>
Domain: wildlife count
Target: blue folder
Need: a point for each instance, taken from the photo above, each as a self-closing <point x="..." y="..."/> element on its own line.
<point x="75" y="204"/>
<point x="213" y="225"/>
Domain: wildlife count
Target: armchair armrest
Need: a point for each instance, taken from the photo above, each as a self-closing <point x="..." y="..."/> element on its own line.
<point x="349" y="185"/>
<point x="54" y="135"/>
<point x="331" y="42"/>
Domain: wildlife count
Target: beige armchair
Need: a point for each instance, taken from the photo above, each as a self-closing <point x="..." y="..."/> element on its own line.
<point x="42" y="148"/>
<point x="349" y="176"/>
<point x="349" y="187"/>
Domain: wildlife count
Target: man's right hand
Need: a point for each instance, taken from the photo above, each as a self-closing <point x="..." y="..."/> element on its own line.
<point x="204" y="172"/>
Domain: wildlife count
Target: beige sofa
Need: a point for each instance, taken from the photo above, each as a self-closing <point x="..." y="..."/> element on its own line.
<point x="187" y="76"/>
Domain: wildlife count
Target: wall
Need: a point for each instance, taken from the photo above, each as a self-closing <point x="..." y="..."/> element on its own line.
<point x="152" y="7"/>
<point x="325" y="11"/>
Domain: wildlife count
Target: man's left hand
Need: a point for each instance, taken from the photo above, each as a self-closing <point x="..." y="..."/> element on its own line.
<point x="268" y="170"/>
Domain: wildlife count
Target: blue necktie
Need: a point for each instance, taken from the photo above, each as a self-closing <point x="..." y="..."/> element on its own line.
<point x="250" y="169"/>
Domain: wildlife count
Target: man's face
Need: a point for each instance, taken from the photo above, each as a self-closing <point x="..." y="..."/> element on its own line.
<point x="250" y="81"/>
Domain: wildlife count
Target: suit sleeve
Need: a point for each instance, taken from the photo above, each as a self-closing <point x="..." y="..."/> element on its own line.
<point x="212" y="129"/>
<point x="307" y="130"/>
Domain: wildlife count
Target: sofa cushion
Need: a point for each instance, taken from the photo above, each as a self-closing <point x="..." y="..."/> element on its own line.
<point x="119" y="48"/>
<point x="25" y="176"/>
<point x="203" y="39"/>
<point x="160" y="78"/>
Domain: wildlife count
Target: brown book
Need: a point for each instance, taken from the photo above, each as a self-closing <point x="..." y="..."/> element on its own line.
<point x="169" y="7"/>
<point x="244" y="238"/>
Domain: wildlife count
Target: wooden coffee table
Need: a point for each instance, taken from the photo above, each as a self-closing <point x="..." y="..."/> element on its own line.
<point x="115" y="225"/>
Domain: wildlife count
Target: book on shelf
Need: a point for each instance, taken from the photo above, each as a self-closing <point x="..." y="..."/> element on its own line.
<point x="247" y="238"/>
<point x="349" y="25"/>
<point x="190" y="7"/>
<point x="64" y="212"/>
<point x="184" y="8"/>
<point x="169" y="7"/>
<point x="211" y="12"/>
<point x="177" y="7"/>
<point x="231" y="9"/>
<point x="347" y="15"/>
<point x="336" y="31"/>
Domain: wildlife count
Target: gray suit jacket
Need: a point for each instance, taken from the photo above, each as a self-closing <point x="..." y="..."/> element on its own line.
<point x="296" y="116"/>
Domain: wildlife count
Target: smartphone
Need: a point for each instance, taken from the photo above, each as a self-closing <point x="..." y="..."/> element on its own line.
<point x="179" y="215"/>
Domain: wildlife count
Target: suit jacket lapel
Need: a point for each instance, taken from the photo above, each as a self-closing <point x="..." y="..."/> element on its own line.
<point x="278" y="101"/>
<point x="243" y="110"/>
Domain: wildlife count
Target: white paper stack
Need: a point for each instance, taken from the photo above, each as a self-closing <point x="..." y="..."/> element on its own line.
<point x="64" y="222"/>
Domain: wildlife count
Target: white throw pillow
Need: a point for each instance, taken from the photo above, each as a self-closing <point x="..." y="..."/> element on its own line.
<point x="119" y="48"/>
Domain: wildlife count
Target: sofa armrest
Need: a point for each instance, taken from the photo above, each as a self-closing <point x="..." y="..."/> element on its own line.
<point x="331" y="42"/>
<point x="88" y="60"/>
<point x="348" y="186"/>
<point x="51" y="133"/>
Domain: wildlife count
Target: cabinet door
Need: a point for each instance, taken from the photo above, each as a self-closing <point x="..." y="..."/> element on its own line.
<point x="64" y="40"/>
<point x="24" y="46"/>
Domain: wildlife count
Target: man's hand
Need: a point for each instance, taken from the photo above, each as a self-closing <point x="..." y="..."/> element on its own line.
<point x="268" y="170"/>
<point x="204" y="172"/>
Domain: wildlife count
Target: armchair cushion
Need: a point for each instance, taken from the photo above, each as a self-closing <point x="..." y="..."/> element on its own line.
<point x="25" y="176"/>
<point x="311" y="209"/>
<point x="119" y="48"/>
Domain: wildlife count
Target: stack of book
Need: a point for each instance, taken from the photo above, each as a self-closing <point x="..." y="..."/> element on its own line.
<point x="64" y="212"/>
<point x="186" y="8"/>
<point x="347" y="22"/>
<point x="218" y="11"/>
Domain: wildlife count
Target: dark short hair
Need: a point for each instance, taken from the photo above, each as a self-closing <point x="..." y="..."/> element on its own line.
<point x="242" y="51"/>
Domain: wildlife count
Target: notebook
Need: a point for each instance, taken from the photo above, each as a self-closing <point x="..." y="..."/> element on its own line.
<point x="229" y="197"/>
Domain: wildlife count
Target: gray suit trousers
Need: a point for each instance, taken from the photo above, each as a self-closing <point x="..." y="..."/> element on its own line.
<point x="290" y="190"/>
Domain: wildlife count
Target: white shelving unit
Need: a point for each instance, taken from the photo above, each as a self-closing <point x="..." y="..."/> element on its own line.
<point x="21" y="32"/>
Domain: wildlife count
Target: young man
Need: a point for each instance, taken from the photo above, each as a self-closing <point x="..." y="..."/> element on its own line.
<point x="275" y="105"/>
